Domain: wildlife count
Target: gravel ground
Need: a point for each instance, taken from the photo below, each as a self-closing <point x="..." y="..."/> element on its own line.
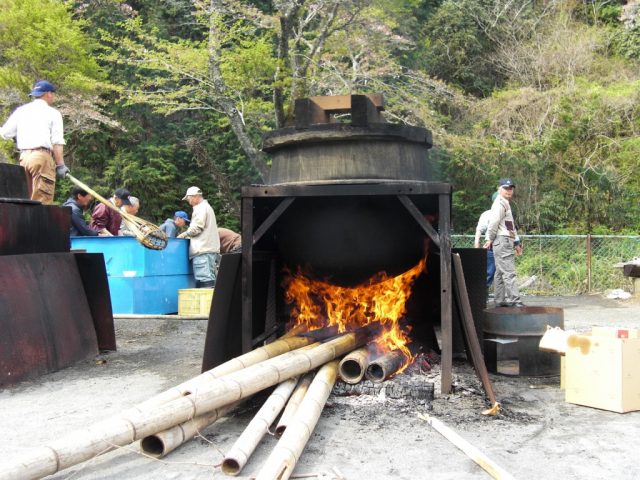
<point x="538" y="434"/>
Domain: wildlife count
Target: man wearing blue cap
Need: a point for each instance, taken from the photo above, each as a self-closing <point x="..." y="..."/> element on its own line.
<point x="38" y="132"/>
<point x="501" y="236"/>
<point x="171" y="225"/>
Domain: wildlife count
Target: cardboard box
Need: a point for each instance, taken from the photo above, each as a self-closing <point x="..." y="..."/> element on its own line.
<point x="603" y="371"/>
<point x="194" y="301"/>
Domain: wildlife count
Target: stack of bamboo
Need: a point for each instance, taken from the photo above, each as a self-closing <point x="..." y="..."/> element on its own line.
<point x="174" y="416"/>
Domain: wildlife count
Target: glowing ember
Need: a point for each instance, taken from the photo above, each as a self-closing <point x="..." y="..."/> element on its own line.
<point x="317" y="304"/>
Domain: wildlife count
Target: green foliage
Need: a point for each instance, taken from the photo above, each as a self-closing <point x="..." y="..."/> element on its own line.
<point x="40" y="39"/>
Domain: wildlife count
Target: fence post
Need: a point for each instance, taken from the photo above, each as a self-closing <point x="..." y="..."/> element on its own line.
<point x="588" y="263"/>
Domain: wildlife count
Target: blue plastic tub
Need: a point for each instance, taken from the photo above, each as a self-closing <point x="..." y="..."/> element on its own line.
<point x="125" y="257"/>
<point x="142" y="281"/>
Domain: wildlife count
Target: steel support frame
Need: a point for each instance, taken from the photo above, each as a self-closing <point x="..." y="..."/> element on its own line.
<point x="404" y="191"/>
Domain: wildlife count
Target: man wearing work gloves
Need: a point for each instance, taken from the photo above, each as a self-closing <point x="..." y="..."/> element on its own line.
<point x="38" y="132"/>
<point x="501" y="235"/>
<point x="204" y="248"/>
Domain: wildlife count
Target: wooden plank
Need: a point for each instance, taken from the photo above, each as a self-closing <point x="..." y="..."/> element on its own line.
<point x="469" y="328"/>
<point x="342" y="103"/>
<point x="446" y="329"/>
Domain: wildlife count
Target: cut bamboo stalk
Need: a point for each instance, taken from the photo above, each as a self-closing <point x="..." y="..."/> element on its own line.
<point x="472" y="452"/>
<point x="278" y="347"/>
<point x="386" y="365"/>
<point x="293" y="403"/>
<point x="283" y="459"/>
<point x="94" y="440"/>
<point x="354" y="365"/>
<point x="238" y="456"/>
<point x="162" y="443"/>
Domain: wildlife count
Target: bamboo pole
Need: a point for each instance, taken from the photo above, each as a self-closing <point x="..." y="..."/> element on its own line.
<point x="283" y="459"/>
<point x="386" y="365"/>
<point x="278" y="347"/>
<point x="353" y="366"/>
<point x="472" y="452"/>
<point x="162" y="443"/>
<point x="293" y="403"/>
<point x="237" y="457"/>
<point x="94" y="440"/>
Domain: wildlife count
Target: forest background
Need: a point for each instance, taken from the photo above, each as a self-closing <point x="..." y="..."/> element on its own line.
<point x="160" y="95"/>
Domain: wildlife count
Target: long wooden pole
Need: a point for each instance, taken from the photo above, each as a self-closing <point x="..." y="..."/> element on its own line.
<point x="89" y="442"/>
<point x="283" y="459"/>
<point x="492" y="468"/>
<point x="293" y="403"/>
<point x="469" y="329"/>
<point x="238" y="456"/>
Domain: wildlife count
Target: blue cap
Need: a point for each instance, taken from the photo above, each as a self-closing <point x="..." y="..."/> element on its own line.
<point x="41" y="87"/>
<point x="506" y="182"/>
<point x="183" y="215"/>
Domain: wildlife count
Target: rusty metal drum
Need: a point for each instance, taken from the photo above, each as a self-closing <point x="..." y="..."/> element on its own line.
<point x="512" y="337"/>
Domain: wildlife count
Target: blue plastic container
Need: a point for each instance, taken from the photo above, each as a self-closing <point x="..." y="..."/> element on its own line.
<point x="142" y="281"/>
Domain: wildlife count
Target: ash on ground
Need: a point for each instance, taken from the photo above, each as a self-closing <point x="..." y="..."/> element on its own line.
<point x="418" y="389"/>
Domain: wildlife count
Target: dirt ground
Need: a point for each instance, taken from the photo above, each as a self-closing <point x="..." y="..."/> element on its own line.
<point x="538" y="434"/>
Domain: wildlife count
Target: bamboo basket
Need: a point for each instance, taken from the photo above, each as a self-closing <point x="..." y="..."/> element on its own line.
<point x="148" y="234"/>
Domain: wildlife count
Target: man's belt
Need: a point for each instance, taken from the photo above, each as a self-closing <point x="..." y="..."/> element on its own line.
<point x="37" y="149"/>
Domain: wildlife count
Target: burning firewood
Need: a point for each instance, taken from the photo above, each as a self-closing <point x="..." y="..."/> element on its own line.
<point x="237" y="457"/>
<point x="283" y="459"/>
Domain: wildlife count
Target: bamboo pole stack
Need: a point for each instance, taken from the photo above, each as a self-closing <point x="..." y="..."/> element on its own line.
<point x="214" y="394"/>
<point x="293" y="404"/>
<point x="283" y="459"/>
<point x="237" y="457"/>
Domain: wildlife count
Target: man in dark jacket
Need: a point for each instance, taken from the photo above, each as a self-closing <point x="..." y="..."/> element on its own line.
<point x="104" y="217"/>
<point x="78" y="201"/>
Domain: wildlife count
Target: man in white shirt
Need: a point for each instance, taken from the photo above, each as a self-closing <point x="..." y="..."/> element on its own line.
<point x="38" y="132"/>
<point x="501" y="235"/>
<point x="204" y="247"/>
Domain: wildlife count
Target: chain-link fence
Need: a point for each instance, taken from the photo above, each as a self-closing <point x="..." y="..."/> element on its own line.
<point x="570" y="264"/>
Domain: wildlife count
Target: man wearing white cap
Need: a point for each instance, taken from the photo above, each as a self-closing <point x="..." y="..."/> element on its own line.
<point x="38" y="132"/>
<point x="204" y="247"/>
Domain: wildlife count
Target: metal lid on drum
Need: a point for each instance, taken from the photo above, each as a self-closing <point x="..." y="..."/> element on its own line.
<point x="521" y="321"/>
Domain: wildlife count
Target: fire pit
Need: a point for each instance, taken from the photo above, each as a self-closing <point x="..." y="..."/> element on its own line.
<point x="348" y="205"/>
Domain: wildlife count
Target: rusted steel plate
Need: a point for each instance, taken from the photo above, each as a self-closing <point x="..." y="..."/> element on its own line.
<point x="45" y="321"/>
<point x="33" y="228"/>
<point x="93" y="273"/>
<point x="224" y="332"/>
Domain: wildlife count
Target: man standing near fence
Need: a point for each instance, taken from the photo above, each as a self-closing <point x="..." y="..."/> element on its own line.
<point x="501" y="235"/>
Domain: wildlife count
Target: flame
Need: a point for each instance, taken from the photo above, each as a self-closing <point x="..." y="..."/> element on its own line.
<point x="316" y="304"/>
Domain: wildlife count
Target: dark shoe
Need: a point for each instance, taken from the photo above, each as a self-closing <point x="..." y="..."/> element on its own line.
<point x="504" y="304"/>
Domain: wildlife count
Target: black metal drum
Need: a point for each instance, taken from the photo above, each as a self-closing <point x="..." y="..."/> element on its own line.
<point x="512" y="338"/>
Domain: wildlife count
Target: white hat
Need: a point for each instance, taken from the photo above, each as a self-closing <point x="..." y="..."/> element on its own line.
<point x="191" y="191"/>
